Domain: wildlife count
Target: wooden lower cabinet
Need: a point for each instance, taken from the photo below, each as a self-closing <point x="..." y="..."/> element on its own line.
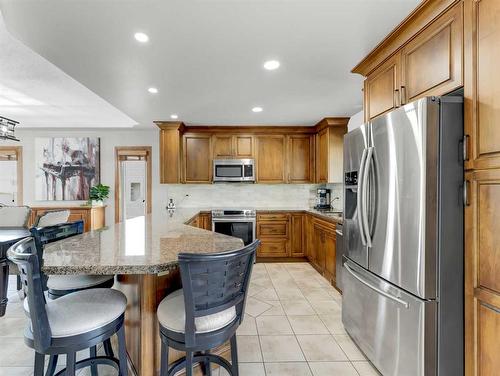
<point x="273" y="231"/>
<point x="93" y="217"/>
<point x="482" y="271"/>
<point x="323" y="252"/>
<point x="297" y="235"/>
<point x="201" y="220"/>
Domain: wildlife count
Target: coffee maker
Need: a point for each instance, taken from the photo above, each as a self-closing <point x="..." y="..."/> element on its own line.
<point x="323" y="199"/>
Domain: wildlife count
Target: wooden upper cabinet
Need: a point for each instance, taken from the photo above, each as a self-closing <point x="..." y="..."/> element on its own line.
<point x="482" y="85"/>
<point x="233" y="146"/>
<point x="300" y="159"/>
<point x="170" y="152"/>
<point x="223" y="146"/>
<point x="271" y="154"/>
<point x="330" y="154"/>
<point x="197" y="159"/>
<point x="382" y="88"/>
<point x="243" y="146"/>
<point x="431" y="63"/>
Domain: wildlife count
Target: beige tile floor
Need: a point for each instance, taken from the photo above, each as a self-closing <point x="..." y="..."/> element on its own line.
<point x="292" y="327"/>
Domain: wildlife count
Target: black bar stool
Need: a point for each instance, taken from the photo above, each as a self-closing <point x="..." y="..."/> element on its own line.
<point x="206" y="312"/>
<point x="71" y="323"/>
<point x="61" y="285"/>
<point x="45" y="231"/>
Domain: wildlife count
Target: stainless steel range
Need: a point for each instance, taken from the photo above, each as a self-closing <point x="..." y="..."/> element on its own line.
<point x="239" y="223"/>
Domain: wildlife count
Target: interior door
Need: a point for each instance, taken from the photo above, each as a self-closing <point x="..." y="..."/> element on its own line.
<point x="404" y="166"/>
<point x="355" y="145"/>
<point x="134" y="188"/>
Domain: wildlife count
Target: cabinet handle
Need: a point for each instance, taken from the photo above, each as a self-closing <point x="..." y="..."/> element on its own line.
<point x="466" y="147"/>
<point x="397" y="98"/>
<point x="403" y="95"/>
<point x="466" y="193"/>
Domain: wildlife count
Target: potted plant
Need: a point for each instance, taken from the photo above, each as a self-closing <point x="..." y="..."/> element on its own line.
<point x="98" y="194"/>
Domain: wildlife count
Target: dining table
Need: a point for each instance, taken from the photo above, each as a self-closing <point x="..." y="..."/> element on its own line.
<point x="8" y="237"/>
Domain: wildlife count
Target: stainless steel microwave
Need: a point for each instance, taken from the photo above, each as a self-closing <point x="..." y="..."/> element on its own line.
<point x="234" y="170"/>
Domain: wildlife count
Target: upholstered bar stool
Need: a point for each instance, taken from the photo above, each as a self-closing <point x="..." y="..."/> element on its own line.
<point x="71" y="323"/>
<point x="60" y="285"/>
<point x="206" y="312"/>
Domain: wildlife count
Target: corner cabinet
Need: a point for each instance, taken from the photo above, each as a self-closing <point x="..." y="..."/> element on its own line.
<point x="197" y="164"/>
<point x="430" y="63"/>
<point x="330" y="154"/>
<point x="300" y="159"/>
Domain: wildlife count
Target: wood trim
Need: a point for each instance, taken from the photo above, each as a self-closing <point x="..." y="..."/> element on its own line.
<point x="19" y="158"/>
<point x="133" y="151"/>
<point x="415" y="22"/>
<point x="254" y="129"/>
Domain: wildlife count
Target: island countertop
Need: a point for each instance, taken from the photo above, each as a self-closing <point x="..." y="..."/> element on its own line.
<point x="142" y="245"/>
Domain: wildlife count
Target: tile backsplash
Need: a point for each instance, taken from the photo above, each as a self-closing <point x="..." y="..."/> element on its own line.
<point x="236" y="195"/>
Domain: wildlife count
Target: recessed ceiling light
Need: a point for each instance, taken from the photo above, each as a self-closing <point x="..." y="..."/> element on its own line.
<point x="257" y="109"/>
<point x="271" y="64"/>
<point x="141" y="37"/>
<point x="174" y="116"/>
<point x="153" y="90"/>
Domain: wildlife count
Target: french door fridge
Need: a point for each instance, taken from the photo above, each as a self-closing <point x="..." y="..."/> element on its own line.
<point x="403" y="239"/>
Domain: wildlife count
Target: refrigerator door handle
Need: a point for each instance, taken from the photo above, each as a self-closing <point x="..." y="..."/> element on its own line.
<point x="359" y="203"/>
<point x="376" y="289"/>
<point x="366" y="226"/>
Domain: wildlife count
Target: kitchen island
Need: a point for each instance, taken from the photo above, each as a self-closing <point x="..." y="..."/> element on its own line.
<point x="142" y="253"/>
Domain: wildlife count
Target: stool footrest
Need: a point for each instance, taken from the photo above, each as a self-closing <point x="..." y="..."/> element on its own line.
<point x="104" y="360"/>
<point x="200" y="358"/>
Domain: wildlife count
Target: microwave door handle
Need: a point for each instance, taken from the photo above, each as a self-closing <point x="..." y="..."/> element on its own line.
<point x="359" y="203"/>
<point x="364" y="194"/>
<point x="376" y="289"/>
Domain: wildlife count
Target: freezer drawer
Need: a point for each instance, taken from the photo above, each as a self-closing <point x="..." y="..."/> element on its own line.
<point x="395" y="330"/>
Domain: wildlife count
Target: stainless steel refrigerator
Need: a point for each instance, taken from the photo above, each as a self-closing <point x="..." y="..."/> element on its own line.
<point x="402" y="275"/>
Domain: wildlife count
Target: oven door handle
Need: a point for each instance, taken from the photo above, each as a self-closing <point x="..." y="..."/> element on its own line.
<point x="234" y="219"/>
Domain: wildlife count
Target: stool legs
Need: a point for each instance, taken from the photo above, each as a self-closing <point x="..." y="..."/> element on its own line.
<point x="70" y="363"/>
<point x="108" y="349"/>
<point x="122" y="351"/>
<point x="164" y="359"/>
<point x="234" y="356"/>
<point x="189" y="363"/>
<point x="51" y="367"/>
<point x="93" y="367"/>
<point x="39" y="364"/>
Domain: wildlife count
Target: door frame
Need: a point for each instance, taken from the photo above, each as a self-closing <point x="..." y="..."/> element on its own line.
<point x="18" y="150"/>
<point x="143" y="151"/>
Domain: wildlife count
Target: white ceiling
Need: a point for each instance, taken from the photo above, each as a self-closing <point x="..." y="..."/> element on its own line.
<point x="38" y="94"/>
<point x="204" y="56"/>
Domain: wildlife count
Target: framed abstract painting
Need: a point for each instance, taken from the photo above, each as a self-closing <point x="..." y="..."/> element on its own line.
<point x="66" y="167"/>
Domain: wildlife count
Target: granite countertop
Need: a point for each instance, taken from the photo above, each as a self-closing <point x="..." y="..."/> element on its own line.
<point x="143" y="245"/>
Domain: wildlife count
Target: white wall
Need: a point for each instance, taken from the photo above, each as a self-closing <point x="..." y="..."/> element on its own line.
<point x="355" y="121"/>
<point x="109" y="138"/>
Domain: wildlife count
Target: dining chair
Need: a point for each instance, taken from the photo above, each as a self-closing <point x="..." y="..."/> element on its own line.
<point x="72" y="323"/>
<point x="46" y="231"/>
<point x="208" y="309"/>
<point x="14" y="216"/>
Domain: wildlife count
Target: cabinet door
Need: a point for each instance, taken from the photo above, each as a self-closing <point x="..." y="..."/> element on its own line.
<point x="382" y="88"/>
<point x="297" y="243"/>
<point x="482" y="85"/>
<point x="223" y="146"/>
<point x="320" y="247"/>
<point x="432" y="62"/>
<point x="300" y="159"/>
<point x="273" y="248"/>
<point x="271" y="159"/>
<point x="322" y="156"/>
<point x="330" y="254"/>
<point x="243" y="146"/>
<point x="197" y="159"/>
<point x="482" y="273"/>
